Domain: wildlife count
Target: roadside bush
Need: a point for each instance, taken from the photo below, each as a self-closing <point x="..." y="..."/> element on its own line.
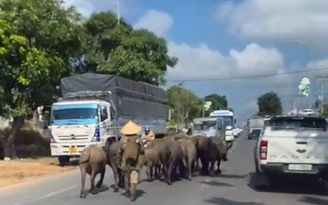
<point x="29" y="143"/>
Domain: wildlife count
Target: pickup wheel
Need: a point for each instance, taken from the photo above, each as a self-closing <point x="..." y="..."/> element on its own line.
<point x="63" y="160"/>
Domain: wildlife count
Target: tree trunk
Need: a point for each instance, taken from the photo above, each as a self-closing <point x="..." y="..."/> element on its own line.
<point x="8" y="141"/>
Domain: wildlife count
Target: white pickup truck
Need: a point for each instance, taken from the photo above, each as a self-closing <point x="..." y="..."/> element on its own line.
<point x="292" y="146"/>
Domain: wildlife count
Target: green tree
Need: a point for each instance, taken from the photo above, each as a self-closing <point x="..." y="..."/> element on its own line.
<point x="118" y="49"/>
<point x="40" y="41"/>
<point x="269" y="104"/>
<point x="185" y="104"/>
<point x="219" y="102"/>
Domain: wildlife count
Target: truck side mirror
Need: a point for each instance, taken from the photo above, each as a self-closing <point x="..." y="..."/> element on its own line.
<point x="234" y="120"/>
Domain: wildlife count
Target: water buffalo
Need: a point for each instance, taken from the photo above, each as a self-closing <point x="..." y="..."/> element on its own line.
<point x="217" y="151"/>
<point x="190" y="155"/>
<point x="111" y="150"/>
<point x="92" y="162"/>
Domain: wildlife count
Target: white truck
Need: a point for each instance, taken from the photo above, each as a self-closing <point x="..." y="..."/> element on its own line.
<point x="254" y="126"/>
<point x="229" y="121"/>
<point x="96" y="106"/>
<point x="292" y="146"/>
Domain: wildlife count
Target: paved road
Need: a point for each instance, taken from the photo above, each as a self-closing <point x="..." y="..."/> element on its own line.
<point x="231" y="188"/>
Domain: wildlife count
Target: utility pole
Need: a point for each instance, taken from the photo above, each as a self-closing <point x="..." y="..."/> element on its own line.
<point x="321" y="96"/>
<point x="203" y="106"/>
<point x="118" y="12"/>
<point x="322" y="92"/>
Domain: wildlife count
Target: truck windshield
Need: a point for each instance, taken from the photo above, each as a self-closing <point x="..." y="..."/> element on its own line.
<point x="298" y="123"/>
<point x="204" y="125"/>
<point x="228" y="121"/>
<point x="62" y="114"/>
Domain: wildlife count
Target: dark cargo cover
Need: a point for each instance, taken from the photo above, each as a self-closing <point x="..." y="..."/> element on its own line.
<point x="131" y="98"/>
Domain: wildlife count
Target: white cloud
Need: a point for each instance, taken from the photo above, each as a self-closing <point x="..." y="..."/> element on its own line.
<point x="84" y="7"/>
<point x="305" y="21"/>
<point x="155" y="21"/>
<point x="203" y="63"/>
<point x="87" y="7"/>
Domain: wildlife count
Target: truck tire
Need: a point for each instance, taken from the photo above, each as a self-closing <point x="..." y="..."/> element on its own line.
<point x="63" y="160"/>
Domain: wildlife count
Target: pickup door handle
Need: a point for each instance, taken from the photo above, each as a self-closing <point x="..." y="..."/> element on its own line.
<point x="301" y="142"/>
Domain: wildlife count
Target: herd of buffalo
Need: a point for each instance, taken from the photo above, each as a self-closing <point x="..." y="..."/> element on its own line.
<point x="165" y="159"/>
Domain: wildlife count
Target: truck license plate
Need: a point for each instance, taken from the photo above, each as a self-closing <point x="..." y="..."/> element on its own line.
<point x="72" y="150"/>
<point x="300" y="167"/>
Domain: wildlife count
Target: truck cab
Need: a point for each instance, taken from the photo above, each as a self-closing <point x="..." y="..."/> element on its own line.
<point x="76" y="124"/>
<point x="210" y="126"/>
<point x="229" y="121"/>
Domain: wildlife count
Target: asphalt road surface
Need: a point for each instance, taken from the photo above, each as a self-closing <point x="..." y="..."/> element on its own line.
<point x="231" y="188"/>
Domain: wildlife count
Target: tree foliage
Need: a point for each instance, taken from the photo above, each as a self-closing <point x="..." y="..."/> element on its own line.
<point x="185" y="105"/>
<point x="42" y="41"/>
<point x="39" y="39"/>
<point x="219" y="102"/>
<point x="119" y="49"/>
<point x="269" y="104"/>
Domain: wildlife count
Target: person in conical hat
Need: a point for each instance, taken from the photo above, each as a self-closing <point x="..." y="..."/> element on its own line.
<point x="130" y="129"/>
<point x="130" y="156"/>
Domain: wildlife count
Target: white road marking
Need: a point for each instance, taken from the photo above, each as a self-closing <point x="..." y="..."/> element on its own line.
<point x="48" y="195"/>
<point x="53" y="193"/>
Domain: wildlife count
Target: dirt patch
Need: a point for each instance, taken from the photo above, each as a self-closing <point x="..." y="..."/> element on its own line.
<point x="13" y="172"/>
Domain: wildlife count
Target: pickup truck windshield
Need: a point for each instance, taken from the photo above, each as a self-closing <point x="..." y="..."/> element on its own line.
<point x="298" y="123"/>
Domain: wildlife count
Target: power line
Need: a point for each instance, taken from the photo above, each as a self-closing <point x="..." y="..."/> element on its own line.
<point x="249" y="77"/>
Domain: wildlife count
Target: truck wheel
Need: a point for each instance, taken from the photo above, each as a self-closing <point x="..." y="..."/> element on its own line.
<point x="63" y="160"/>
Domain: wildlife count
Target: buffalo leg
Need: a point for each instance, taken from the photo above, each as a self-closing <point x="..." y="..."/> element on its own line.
<point x="205" y="164"/>
<point x="193" y="167"/>
<point x="212" y="163"/>
<point x="92" y="182"/>
<point x="169" y="173"/>
<point x="149" y="172"/>
<point x="116" y="179"/>
<point x="102" y="176"/>
<point x="218" y="171"/>
<point x="120" y="178"/>
<point x="165" y="171"/>
<point x="190" y="168"/>
<point x="83" y="193"/>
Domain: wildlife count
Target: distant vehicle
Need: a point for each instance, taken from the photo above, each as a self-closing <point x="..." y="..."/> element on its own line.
<point x="229" y="121"/>
<point x="210" y="126"/>
<point x="308" y="112"/>
<point x="254" y="126"/>
<point x="292" y="146"/>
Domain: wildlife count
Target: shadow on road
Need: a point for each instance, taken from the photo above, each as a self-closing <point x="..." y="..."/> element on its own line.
<point x="287" y="186"/>
<point x="222" y="201"/>
<point x="314" y="201"/>
<point x="139" y="193"/>
<point x="215" y="183"/>
<point x="233" y="176"/>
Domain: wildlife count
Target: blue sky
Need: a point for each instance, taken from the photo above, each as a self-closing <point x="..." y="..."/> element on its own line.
<point x="223" y="39"/>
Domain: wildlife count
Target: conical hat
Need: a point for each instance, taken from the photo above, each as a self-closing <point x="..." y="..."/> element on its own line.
<point x="130" y="128"/>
